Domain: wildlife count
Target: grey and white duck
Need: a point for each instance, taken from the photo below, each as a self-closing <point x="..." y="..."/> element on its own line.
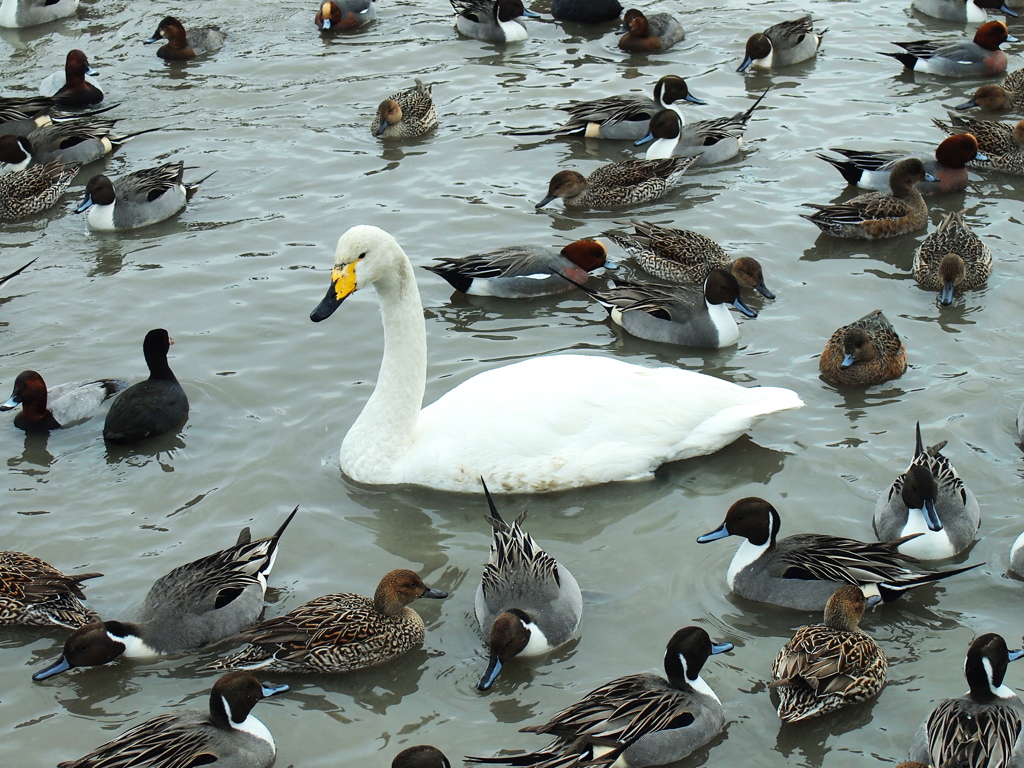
<point x="43" y="409"/>
<point x="804" y="570"/>
<point x="782" y="44"/>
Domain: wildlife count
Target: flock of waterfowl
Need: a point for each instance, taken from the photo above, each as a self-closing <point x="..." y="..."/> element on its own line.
<point x="606" y="420"/>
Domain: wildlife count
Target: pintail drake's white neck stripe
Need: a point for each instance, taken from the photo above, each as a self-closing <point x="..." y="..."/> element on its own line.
<point x="728" y="331"/>
<point x="934" y="545"/>
<point x="698" y="683"/>
<point x="251" y="725"/>
<point x="514" y="31"/>
<point x="134" y="646"/>
<point x="747" y="553"/>
<point x="101" y="217"/>
<point x="537" y="644"/>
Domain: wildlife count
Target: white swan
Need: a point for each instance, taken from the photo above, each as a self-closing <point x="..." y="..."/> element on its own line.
<point x="544" y="424"/>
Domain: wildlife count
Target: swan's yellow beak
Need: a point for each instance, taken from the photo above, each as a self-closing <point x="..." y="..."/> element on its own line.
<point x="343" y="285"/>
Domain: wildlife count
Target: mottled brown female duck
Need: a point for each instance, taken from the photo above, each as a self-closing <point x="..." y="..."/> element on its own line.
<point x="865" y="352"/>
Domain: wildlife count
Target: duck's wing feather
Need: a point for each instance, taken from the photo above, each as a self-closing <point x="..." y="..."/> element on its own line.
<point x="961" y="734"/>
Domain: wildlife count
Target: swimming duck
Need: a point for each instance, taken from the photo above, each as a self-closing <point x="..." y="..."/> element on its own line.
<point x="639" y="418"/>
<point x="828" y="666"/>
<point x="60" y="406"/>
<point x="994" y="138"/>
<point x="615" y="185"/>
<point x="804" y="570"/>
<point x="182" y="46"/>
<point x="405" y="114"/>
<point x="228" y="734"/>
<point x="877" y="215"/>
<point x="18" y="14"/>
<point x="141" y="198"/>
<point x="677" y="314"/>
<point x="493" y="21"/>
<point x="782" y="44"/>
<point x="35" y="594"/>
<point x="78" y="141"/>
<point x="338" y="633"/>
<point x="929" y="499"/>
<point x="526" y="603"/>
<point x="421" y="756"/>
<point x="971" y="11"/>
<point x="586" y="11"/>
<point x="18" y="114"/>
<point x="35" y="189"/>
<point x="865" y="352"/>
<point x="74" y="87"/>
<point x="620" y="117"/>
<point x="682" y="256"/>
<point x="335" y="15"/>
<point x="1017" y="555"/>
<point x="656" y="414"/>
<point x="959" y="58"/>
<point x="523" y="271"/>
<point x="870" y="170"/>
<point x="152" y="407"/>
<point x="636" y="720"/>
<point x="710" y="141"/>
<point x="981" y="729"/>
<point x="952" y="257"/>
<point x="1009" y="95"/>
<point x="8" y="277"/>
<point x="193" y="606"/>
<point x="657" y="32"/>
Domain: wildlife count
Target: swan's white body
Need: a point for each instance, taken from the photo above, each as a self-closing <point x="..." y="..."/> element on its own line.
<point x="545" y="424"/>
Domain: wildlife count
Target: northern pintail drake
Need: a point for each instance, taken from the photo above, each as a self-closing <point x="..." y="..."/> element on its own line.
<point x="877" y="215"/>
<point x="18" y="114"/>
<point x="1017" y="555"/>
<point x="870" y="170"/>
<point x="141" y="198"/>
<point x="682" y="256"/>
<point x="636" y="720"/>
<point x="195" y="605"/>
<point x="181" y="45"/>
<point x="35" y="189"/>
<point x="44" y="409"/>
<point x="994" y="138"/>
<point x="782" y="44"/>
<point x="18" y="14"/>
<point x="405" y="114"/>
<point x="617" y="185"/>
<point x="831" y="665"/>
<point x="523" y="271"/>
<point x="11" y="275"/>
<point x="929" y="499"/>
<point x="677" y="314"/>
<point x="335" y="15"/>
<point x="526" y="603"/>
<point x="709" y="141"/>
<point x="586" y="11"/>
<point x="493" y="21"/>
<point x="338" y="633"/>
<point x="77" y="141"/>
<point x="620" y="117"/>
<point x="74" y="87"/>
<point x="952" y="258"/>
<point x="227" y="734"/>
<point x="971" y="11"/>
<point x="421" y="756"/>
<point x="867" y="351"/>
<point x="982" y="728"/>
<point x="804" y="570"/>
<point x="959" y="58"/>
<point x="639" y="418"/>
<point x="33" y="593"/>
<point x="1009" y="95"/>
<point x="657" y="32"/>
<point x="151" y="407"/>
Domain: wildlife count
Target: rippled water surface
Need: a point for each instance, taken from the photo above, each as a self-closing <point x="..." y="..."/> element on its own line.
<point x="283" y="118"/>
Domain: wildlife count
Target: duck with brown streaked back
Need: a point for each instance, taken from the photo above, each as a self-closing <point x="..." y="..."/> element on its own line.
<point x="405" y="114"/>
<point x="33" y="593"/>
<point x="952" y="257"/>
<point x="617" y="185"/>
<point x="865" y="352"/>
<point x="828" y="666"/>
<point x="657" y="32"/>
<point x="994" y="138"/>
<point x="878" y="215"/>
<point x="1009" y="95"/>
<point x="338" y="633"/>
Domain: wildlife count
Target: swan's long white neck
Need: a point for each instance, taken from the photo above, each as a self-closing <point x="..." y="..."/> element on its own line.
<point x="385" y="429"/>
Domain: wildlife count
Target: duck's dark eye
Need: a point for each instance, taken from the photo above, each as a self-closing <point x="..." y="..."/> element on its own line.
<point x="362" y="255"/>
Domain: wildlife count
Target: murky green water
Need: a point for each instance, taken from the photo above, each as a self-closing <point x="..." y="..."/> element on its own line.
<point x="283" y="117"/>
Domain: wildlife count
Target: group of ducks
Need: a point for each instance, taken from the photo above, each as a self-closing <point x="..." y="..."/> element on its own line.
<point x="527" y="603"/>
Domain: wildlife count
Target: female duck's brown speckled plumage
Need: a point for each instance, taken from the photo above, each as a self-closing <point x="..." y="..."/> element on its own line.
<point x="1009" y="95"/>
<point x="827" y="666"/>
<point x="338" y="633"/>
<point x="865" y="352"/>
<point x="952" y="257"/>
<point x="994" y="138"/>
<point x="34" y="593"/>
<point x="877" y="215"/>
<point x="618" y="184"/>
<point x="405" y="114"/>
<point x="23" y="193"/>
<point x="686" y="257"/>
